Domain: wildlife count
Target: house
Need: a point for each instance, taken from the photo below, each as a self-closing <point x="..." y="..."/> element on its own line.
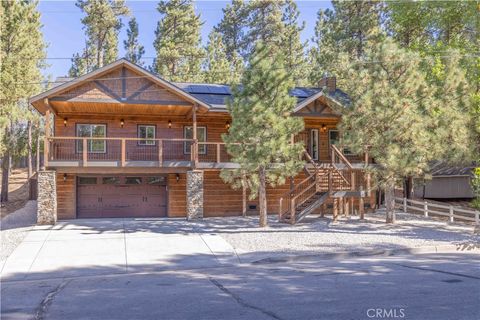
<point x="447" y="182"/>
<point x="123" y="142"/>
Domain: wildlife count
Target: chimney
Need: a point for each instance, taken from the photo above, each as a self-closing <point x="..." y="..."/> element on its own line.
<point x="328" y="82"/>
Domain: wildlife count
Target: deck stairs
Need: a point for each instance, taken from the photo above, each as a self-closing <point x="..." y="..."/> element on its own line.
<point x="324" y="181"/>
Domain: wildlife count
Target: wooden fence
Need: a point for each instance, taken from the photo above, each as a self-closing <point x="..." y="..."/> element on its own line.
<point x="434" y="209"/>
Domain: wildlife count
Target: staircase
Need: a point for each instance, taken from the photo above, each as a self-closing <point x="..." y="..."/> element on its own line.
<point x="335" y="179"/>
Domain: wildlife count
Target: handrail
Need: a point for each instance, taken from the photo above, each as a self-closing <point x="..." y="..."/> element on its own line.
<point x="119" y="138"/>
<point x="341" y="156"/>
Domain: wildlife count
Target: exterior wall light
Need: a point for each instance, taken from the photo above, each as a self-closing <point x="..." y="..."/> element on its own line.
<point x="169" y="126"/>
<point x="177" y="176"/>
<point x="324" y="128"/>
<point x="122" y="123"/>
<point x="227" y="125"/>
<point x="64" y="177"/>
<point x="65" y="122"/>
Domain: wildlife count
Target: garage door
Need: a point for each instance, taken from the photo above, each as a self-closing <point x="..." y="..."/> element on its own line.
<point x="121" y="197"/>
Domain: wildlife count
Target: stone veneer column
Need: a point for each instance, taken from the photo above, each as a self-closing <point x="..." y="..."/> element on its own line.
<point x="194" y="194"/>
<point x="47" y="197"/>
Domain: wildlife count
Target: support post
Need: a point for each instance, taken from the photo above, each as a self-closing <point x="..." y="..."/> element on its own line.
<point x="335" y="209"/>
<point x="340" y="206"/>
<point x="324" y="210"/>
<point x="46" y="144"/>
<point x="160" y="153"/>
<point x="218" y="152"/>
<point x="84" y="152"/>
<point x="123" y="153"/>
<point x="425" y="208"/>
<point x="195" y="138"/>
<point x="47" y="197"/>
<point x="405" y="205"/>
<point x="292" y="211"/>
<point x="194" y="194"/>
<point x="450" y="213"/>
<point x="361" y="208"/>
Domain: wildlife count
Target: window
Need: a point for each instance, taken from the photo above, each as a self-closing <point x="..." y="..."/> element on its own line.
<point x="110" y="180"/>
<point x="334" y="139"/>
<point x="92" y="131"/>
<point x="147" y="133"/>
<point x="156" y="180"/>
<point x="314" y="143"/>
<point x="201" y="136"/>
<point x="133" y="180"/>
<point x="87" y="180"/>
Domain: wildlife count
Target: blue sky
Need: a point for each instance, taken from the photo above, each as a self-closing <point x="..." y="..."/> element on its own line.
<point x="63" y="31"/>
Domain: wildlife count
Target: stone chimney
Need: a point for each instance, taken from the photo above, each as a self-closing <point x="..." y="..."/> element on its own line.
<point x="328" y="82"/>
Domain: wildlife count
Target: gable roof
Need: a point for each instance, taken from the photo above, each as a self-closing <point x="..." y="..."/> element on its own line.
<point x="71" y="83"/>
<point x="213" y="97"/>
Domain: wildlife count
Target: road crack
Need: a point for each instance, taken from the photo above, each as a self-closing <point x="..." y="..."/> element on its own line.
<point x="42" y="308"/>
<point x="242" y="302"/>
<point x="439" y="271"/>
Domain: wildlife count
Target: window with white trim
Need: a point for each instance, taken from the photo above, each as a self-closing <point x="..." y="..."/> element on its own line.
<point x="147" y="133"/>
<point x="201" y="137"/>
<point x="92" y="131"/>
<point x="314" y="143"/>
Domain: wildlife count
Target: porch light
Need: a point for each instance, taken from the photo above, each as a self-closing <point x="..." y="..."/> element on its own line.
<point x="122" y="123"/>
<point x="227" y="125"/>
<point x="65" y="122"/>
<point x="169" y="126"/>
<point x="177" y="176"/>
<point x="64" y="177"/>
<point x="324" y="128"/>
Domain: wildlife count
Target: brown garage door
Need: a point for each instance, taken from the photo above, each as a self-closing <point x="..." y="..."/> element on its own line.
<point x="121" y="197"/>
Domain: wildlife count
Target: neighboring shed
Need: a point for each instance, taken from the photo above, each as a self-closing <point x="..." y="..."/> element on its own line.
<point x="448" y="182"/>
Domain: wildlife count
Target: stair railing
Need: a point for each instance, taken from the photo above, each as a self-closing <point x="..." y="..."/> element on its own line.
<point x="292" y="199"/>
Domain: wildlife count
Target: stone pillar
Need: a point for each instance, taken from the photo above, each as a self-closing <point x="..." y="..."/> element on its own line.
<point x="194" y="194"/>
<point x="47" y="197"/>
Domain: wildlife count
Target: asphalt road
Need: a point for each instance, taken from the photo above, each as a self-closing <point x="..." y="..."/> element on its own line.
<point x="441" y="286"/>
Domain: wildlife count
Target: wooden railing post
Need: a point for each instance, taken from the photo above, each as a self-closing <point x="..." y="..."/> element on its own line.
<point x="361" y="204"/>
<point x="84" y="152"/>
<point x="405" y="205"/>
<point x="330" y="181"/>
<point x="280" y="209"/>
<point x="218" y="152"/>
<point x="450" y="213"/>
<point x="477" y="218"/>
<point x="425" y="208"/>
<point x="292" y="211"/>
<point x="160" y="153"/>
<point x="123" y="153"/>
<point x="46" y="145"/>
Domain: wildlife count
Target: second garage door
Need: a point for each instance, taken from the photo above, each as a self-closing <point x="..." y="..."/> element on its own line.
<point x="121" y="197"/>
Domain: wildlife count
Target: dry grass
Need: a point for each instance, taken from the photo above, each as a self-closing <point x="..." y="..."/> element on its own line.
<point x="18" y="192"/>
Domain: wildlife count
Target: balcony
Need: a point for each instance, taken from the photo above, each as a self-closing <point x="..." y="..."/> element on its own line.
<point x="135" y="152"/>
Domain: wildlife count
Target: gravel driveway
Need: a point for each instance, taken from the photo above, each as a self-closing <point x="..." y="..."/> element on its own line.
<point x="319" y="235"/>
<point x="14" y="228"/>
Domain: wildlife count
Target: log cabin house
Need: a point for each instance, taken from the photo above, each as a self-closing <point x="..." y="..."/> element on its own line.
<point x="123" y="142"/>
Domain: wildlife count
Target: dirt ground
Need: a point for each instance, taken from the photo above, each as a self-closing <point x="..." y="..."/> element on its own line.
<point x="18" y="192"/>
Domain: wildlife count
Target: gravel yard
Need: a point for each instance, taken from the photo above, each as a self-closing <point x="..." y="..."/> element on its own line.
<point x="319" y="235"/>
<point x="14" y="228"/>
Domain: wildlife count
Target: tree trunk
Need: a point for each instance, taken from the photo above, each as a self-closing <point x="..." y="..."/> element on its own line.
<point x="390" y="201"/>
<point x="29" y="147"/>
<point x="408" y="188"/>
<point x="262" y="198"/>
<point x="5" y="175"/>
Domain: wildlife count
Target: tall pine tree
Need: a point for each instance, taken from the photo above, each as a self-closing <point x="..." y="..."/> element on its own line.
<point x="351" y="27"/>
<point x="22" y="54"/>
<point x="133" y="49"/>
<point x="217" y="67"/>
<point x="232" y="28"/>
<point x="259" y="138"/>
<point x="102" y="24"/>
<point x="177" y="42"/>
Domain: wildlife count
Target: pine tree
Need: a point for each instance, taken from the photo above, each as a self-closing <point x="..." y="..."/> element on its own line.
<point x="217" y="67"/>
<point x="177" y="42"/>
<point x="351" y="27"/>
<point x="133" y="50"/>
<point x="102" y="24"/>
<point x="259" y="138"/>
<point x="390" y="111"/>
<point x="232" y="28"/>
<point x="22" y="53"/>
<point x="265" y="24"/>
<point x="294" y="49"/>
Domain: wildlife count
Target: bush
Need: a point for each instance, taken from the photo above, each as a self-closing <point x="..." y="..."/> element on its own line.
<point x="476" y="187"/>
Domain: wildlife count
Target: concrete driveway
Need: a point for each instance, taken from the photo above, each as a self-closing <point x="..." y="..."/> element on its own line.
<point x="92" y="247"/>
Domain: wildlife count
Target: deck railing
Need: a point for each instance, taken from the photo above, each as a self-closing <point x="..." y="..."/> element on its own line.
<point x="118" y="151"/>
